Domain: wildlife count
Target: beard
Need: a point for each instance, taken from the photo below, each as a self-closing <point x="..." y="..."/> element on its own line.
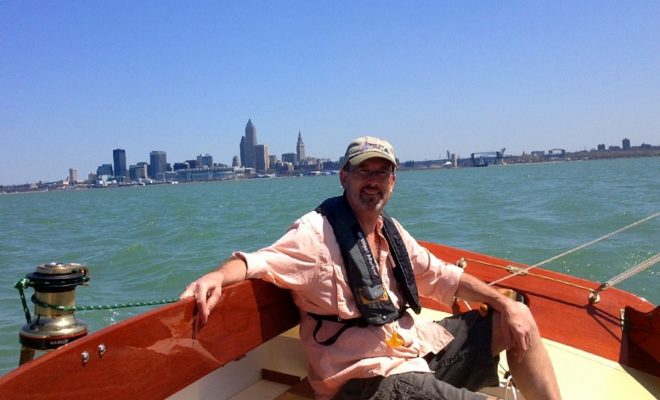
<point x="372" y="199"/>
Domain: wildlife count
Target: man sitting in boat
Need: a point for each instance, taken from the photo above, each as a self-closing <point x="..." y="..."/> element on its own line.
<point x="354" y="274"/>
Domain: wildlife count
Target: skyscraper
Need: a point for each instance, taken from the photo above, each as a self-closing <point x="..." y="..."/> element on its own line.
<point x="242" y="153"/>
<point x="157" y="163"/>
<point x="73" y="175"/>
<point x="262" y="161"/>
<point x="300" y="149"/>
<point x="248" y="145"/>
<point x="119" y="158"/>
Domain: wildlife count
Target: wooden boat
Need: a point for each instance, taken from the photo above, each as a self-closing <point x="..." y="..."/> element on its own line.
<point x="250" y="349"/>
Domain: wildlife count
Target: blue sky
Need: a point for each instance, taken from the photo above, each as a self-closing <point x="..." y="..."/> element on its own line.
<point x="81" y="78"/>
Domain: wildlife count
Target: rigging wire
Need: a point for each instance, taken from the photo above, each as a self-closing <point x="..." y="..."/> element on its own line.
<point x="627" y="274"/>
<point x="580" y="247"/>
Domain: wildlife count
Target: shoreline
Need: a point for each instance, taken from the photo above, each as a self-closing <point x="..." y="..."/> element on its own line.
<point x="60" y="186"/>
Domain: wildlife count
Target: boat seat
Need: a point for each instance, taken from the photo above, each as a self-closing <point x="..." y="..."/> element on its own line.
<point x="299" y="391"/>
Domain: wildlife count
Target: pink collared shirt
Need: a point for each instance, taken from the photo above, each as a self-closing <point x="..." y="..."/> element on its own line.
<point x="307" y="260"/>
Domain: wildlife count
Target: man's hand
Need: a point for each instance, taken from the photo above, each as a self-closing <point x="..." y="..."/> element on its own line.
<point x="518" y="328"/>
<point x="206" y="290"/>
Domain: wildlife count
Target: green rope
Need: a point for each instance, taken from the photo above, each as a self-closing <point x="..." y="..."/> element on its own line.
<point x="103" y="307"/>
<point x="24" y="283"/>
<point x="21" y="284"/>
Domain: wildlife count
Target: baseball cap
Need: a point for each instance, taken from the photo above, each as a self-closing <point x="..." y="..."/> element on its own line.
<point x="366" y="147"/>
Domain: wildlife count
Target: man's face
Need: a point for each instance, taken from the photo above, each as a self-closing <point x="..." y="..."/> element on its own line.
<point x="368" y="185"/>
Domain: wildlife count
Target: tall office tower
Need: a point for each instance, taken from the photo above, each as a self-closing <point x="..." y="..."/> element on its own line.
<point x="73" y="175"/>
<point x="261" y="158"/>
<point x="242" y="152"/>
<point x="119" y="158"/>
<point x="249" y="145"/>
<point x="204" y="160"/>
<point x="625" y="143"/>
<point x="157" y="163"/>
<point x="300" y="149"/>
<point x="235" y="162"/>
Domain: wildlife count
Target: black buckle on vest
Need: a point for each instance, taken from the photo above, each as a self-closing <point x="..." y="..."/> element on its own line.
<point x="346" y="323"/>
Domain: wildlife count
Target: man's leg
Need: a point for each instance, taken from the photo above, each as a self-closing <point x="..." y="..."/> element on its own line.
<point x="405" y="386"/>
<point x="467" y="361"/>
<point x="533" y="373"/>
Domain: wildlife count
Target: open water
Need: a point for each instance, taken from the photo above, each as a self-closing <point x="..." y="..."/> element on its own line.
<point x="147" y="243"/>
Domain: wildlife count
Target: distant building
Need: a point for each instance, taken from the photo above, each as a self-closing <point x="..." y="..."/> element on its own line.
<point x="300" y="149"/>
<point x="192" y="164"/>
<point x="235" y="162"/>
<point x="242" y="152"/>
<point x="205" y="174"/>
<point x="272" y="160"/>
<point x="289" y="157"/>
<point x="262" y="160"/>
<point x="138" y="172"/>
<point x="104" y="169"/>
<point x="119" y="158"/>
<point x="601" y="147"/>
<point x="625" y="143"/>
<point x="556" y="154"/>
<point x="73" y="175"/>
<point x="179" y="166"/>
<point x="248" y="146"/>
<point x="204" y="160"/>
<point x="157" y="163"/>
<point x="285" y="166"/>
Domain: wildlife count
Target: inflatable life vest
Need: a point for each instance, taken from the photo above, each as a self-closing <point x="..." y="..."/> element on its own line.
<point x="361" y="269"/>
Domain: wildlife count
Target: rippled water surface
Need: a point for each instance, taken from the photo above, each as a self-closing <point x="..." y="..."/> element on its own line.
<point x="147" y="243"/>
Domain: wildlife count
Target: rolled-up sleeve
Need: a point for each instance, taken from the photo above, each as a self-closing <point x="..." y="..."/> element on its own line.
<point x="290" y="262"/>
<point x="435" y="278"/>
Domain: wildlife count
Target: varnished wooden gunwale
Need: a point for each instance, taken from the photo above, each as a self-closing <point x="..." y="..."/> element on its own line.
<point x="156" y="354"/>
<point x="563" y="312"/>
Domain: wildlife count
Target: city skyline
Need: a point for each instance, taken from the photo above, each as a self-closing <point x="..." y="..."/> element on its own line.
<point x="158" y="158"/>
<point x="300" y="154"/>
<point x="82" y="79"/>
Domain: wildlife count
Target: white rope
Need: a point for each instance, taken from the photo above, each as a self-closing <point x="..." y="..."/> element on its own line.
<point x="580" y="247"/>
<point x="509" y="385"/>
<point x="638" y="268"/>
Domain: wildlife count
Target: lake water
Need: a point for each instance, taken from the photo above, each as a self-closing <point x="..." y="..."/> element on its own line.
<point x="147" y="243"/>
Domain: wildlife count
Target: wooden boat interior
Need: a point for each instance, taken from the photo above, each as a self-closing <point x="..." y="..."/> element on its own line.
<point x="250" y="347"/>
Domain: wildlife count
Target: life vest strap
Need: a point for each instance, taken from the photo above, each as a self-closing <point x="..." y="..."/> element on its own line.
<point x="346" y="323"/>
